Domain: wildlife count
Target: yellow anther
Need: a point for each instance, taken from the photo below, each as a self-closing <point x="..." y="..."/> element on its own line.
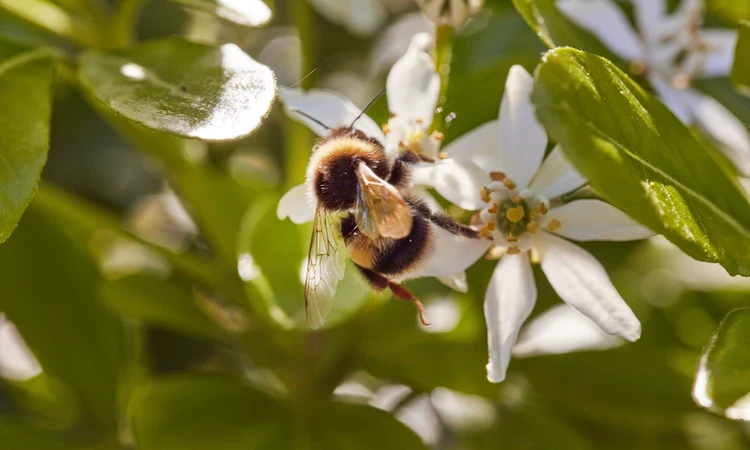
<point x="419" y="121"/>
<point x="443" y="155"/>
<point x="485" y="195"/>
<point x="509" y="184"/>
<point x="543" y="208"/>
<point x="494" y="208"/>
<point x="511" y="238"/>
<point x="516" y="199"/>
<point x="515" y="214"/>
<point x="637" y="68"/>
<point x="491" y="226"/>
<point x="514" y="250"/>
<point x="386" y="128"/>
<point x="554" y="225"/>
<point x="532" y="227"/>
<point x="484" y="233"/>
<point x="498" y="176"/>
<point x="495" y="253"/>
<point x="438" y="136"/>
<point x="533" y="214"/>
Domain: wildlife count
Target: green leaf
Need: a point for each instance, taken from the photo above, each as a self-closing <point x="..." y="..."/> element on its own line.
<point x="554" y="29"/>
<point x="729" y="11"/>
<point x="250" y="13"/>
<point x="182" y="88"/>
<point x="212" y="411"/>
<point x="26" y="76"/>
<point x="152" y="300"/>
<point x="741" y="69"/>
<point x="640" y="157"/>
<point x="722" y="382"/>
<point x="52" y="18"/>
<point x="49" y="281"/>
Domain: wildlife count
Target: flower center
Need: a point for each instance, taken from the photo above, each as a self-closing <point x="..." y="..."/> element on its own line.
<point x="512" y="218"/>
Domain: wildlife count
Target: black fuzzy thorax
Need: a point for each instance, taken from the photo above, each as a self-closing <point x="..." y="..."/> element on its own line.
<point x="335" y="178"/>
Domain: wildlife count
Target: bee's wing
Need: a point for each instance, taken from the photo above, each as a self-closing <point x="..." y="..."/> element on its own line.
<point x="326" y="263"/>
<point x="380" y="209"/>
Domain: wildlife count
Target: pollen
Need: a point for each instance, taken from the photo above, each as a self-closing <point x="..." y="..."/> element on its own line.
<point x="438" y="136"/>
<point x="509" y="184"/>
<point x="516" y="214"/>
<point x="498" y="176"/>
<point x="637" y="68"/>
<point x="484" y="233"/>
<point x="485" y="195"/>
<point x="511" y="238"/>
<point x="542" y="208"/>
<point x="386" y="128"/>
<point x="443" y="155"/>
<point x="516" y="199"/>
<point x="491" y="226"/>
<point x="532" y="227"/>
<point x="514" y="250"/>
<point x="554" y="225"/>
<point x="494" y="208"/>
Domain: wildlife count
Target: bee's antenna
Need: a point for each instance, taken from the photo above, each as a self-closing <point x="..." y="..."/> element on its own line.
<point x="302" y="113"/>
<point x="364" y="110"/>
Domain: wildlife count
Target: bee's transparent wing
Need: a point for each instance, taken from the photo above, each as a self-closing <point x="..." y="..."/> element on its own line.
<point x="380" y="209"/>
<point x="326" y="263"/>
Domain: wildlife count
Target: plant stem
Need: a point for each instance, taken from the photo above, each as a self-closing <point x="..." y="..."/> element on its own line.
<point x="443" y="57"/>
<point x="298" y="140"/>
<point x="124" y="21"/>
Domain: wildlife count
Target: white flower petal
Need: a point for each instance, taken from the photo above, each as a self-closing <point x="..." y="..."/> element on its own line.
<point x="556" y="176"/>
<point x="595" y="220"/>
<point x="460" y="182"/>
<point x="720" y="56"/>
<point x="521" y="137"/>
<point x="478" y="146"/>
<point x="450" y="255"/>
<point x="16" y="360"/>
<point x="648" y="16"/>
<point x="723" y="126"/>
<point x="562" y="329"/>
<point x="607" y="22"/>
<point x="329" y="108"/>
<point x="581" y="281"/>
<point x="673" y="98"/>
<point x="295" y="205"/>
<point x="457" y="282"/>
<point x="509" y="300"/>
<point x="413" y="85"/>
<point x="679" y="24"/>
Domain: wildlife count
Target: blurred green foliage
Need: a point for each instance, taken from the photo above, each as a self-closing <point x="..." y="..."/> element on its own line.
<point x="157" y="335"/>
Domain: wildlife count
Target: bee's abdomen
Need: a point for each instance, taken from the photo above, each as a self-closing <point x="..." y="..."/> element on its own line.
<point x="404" y="254"/>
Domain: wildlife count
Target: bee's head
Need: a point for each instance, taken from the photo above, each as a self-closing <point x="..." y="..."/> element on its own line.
<point x="332" y="170"/>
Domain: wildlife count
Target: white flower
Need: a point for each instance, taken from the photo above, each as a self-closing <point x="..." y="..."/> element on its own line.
<point x="412" y="90"/>
<point x="522" y="211"/>
<point x="450" y="12"/>
<point x="359" y="17"/>
<point x="671" y="50"/>
<point x="16" y="360"/>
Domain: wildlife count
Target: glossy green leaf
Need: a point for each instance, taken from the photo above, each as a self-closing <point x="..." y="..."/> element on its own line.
<point x="218" y="412"/>
<point x="49" y="281"/>
<point x="26" y="76"/>
<point x="52" y="18"/>
<point x="554" y="29"/>
<point x="149" y="299"/>
<point x="182" y="88"/>
<point x="250" y="13"/>
<point x="722" y="382"/>
<point x="741" y="69"/>
<point x="641" y="158"/>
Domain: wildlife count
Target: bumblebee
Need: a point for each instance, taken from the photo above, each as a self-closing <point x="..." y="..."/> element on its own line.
<point x="364" y="212"/>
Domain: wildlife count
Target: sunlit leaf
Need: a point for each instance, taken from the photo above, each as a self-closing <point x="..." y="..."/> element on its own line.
<point x="26" y="76"/>
<point x="182" y="88"/>
<point x="641" y="158"/>
<point x="741" y="68"/>
<point x="251" y="13"/>
<point x="52" y="18"/>
<point x="722" y="383"/>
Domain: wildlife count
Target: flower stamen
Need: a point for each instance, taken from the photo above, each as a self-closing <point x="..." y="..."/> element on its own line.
<point x="514" y="250"/>
<point x="554" y="225"/>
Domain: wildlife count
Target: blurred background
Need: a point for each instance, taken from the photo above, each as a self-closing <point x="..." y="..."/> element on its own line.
<point x="104" y="340"/>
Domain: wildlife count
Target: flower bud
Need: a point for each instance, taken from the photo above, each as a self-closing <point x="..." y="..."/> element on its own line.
<point x="453" y="13"/>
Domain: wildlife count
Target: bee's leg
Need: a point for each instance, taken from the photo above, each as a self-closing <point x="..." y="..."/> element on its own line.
<point x="399" y="176"/>
<point x="380" y="282"/>
<point x="446" y="222"/>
